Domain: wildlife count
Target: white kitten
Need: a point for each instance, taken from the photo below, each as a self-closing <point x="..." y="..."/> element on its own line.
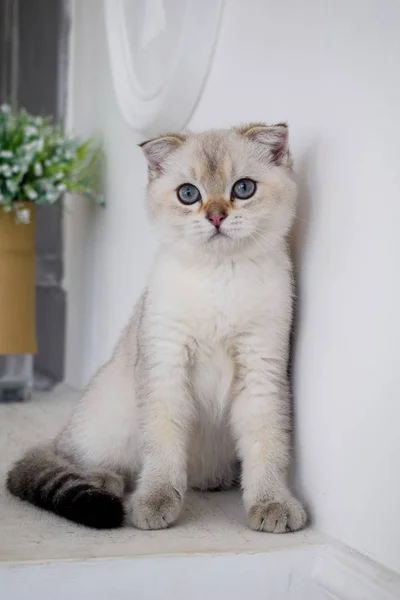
<point x="196" y="392"/>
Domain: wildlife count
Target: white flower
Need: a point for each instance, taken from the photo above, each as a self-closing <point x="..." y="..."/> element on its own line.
<point x="30" y="193"/>
<point x="6" y="170"/>
<point x="23" y="216"/>
<point x="47" y="162"/>
<point x="38" y="169"/>
<point x="34" y="146"/>
<point x="4" y="108"/>
<point x="51" y="198"/>
<point x="68" y="155"/>
<point x="6" y="154"/>
<point x="62" y="187"/>
<point x="30" y="131"/>
<point x="11" y="186"/>
<point x="58" y="176"/>
<point x="15" y="169"/>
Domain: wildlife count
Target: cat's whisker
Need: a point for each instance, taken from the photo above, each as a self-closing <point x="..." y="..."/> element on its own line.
<point x="257" y="242"/>
<point x="301" y="219"/>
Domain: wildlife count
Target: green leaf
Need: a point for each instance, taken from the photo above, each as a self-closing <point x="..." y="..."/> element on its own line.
<point x="44" y="161"/>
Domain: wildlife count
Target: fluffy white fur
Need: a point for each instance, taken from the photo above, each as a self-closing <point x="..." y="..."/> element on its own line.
<point x="198" y="379"/>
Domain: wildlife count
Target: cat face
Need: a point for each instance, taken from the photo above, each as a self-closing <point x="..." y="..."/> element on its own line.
<point x="221" y="189"/>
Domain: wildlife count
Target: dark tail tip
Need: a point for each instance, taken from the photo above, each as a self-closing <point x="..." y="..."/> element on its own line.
<point x="65" y="493"/>
<point x="93" y="508"/>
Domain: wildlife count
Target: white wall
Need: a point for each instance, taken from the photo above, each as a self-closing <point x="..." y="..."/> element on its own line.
<point x="331" y="70"/>
<point x="108" y="251"/>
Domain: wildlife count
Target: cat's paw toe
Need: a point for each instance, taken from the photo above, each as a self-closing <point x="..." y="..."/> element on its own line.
<point x="277" y="516"/>
<point x="156" y="509"/>
<point x="108" y="481"/>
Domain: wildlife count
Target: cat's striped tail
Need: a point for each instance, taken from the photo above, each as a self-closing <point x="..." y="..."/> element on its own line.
<point x="49" y="481"/>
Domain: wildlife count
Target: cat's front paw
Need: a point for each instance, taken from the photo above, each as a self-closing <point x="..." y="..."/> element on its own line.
<point x="277" y="516"/>
<point x="155" y="509"/>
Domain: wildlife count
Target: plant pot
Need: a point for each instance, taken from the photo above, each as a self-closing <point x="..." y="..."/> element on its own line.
<point x="17" y="297"/>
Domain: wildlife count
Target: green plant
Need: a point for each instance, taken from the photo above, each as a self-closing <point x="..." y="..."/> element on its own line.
<point x="39" y="163"/>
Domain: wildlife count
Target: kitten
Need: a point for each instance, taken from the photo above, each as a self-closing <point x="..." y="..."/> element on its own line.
<point x="197" y="384"/>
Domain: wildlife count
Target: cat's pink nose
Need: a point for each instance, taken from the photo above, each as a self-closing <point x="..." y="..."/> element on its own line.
<point x="216" y="218"/>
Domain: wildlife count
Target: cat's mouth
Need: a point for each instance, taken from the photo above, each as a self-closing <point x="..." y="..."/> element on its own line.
<point x="217" y="234"/>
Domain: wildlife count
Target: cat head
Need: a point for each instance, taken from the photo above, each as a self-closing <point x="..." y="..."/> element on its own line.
<point x="221" y="190"/>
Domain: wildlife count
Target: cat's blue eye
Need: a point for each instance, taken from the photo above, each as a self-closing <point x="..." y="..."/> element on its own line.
<point x="188" y="194"/>
<point x="244" y="189"/>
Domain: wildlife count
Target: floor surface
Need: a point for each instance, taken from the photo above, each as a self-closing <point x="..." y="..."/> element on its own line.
<point x="210" y="523"/>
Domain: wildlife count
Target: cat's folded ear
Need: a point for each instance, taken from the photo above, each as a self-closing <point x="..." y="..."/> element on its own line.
<point x="273" y="138"/>
<point x="159" y="149"/>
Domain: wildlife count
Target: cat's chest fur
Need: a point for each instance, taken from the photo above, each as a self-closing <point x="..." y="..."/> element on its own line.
<point x="215" y="303"/>
<point x="211" y="307"/>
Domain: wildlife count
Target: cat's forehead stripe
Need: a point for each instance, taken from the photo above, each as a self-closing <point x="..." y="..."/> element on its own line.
<point x="211" y="159"/>
<point x="215" y="164"/>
